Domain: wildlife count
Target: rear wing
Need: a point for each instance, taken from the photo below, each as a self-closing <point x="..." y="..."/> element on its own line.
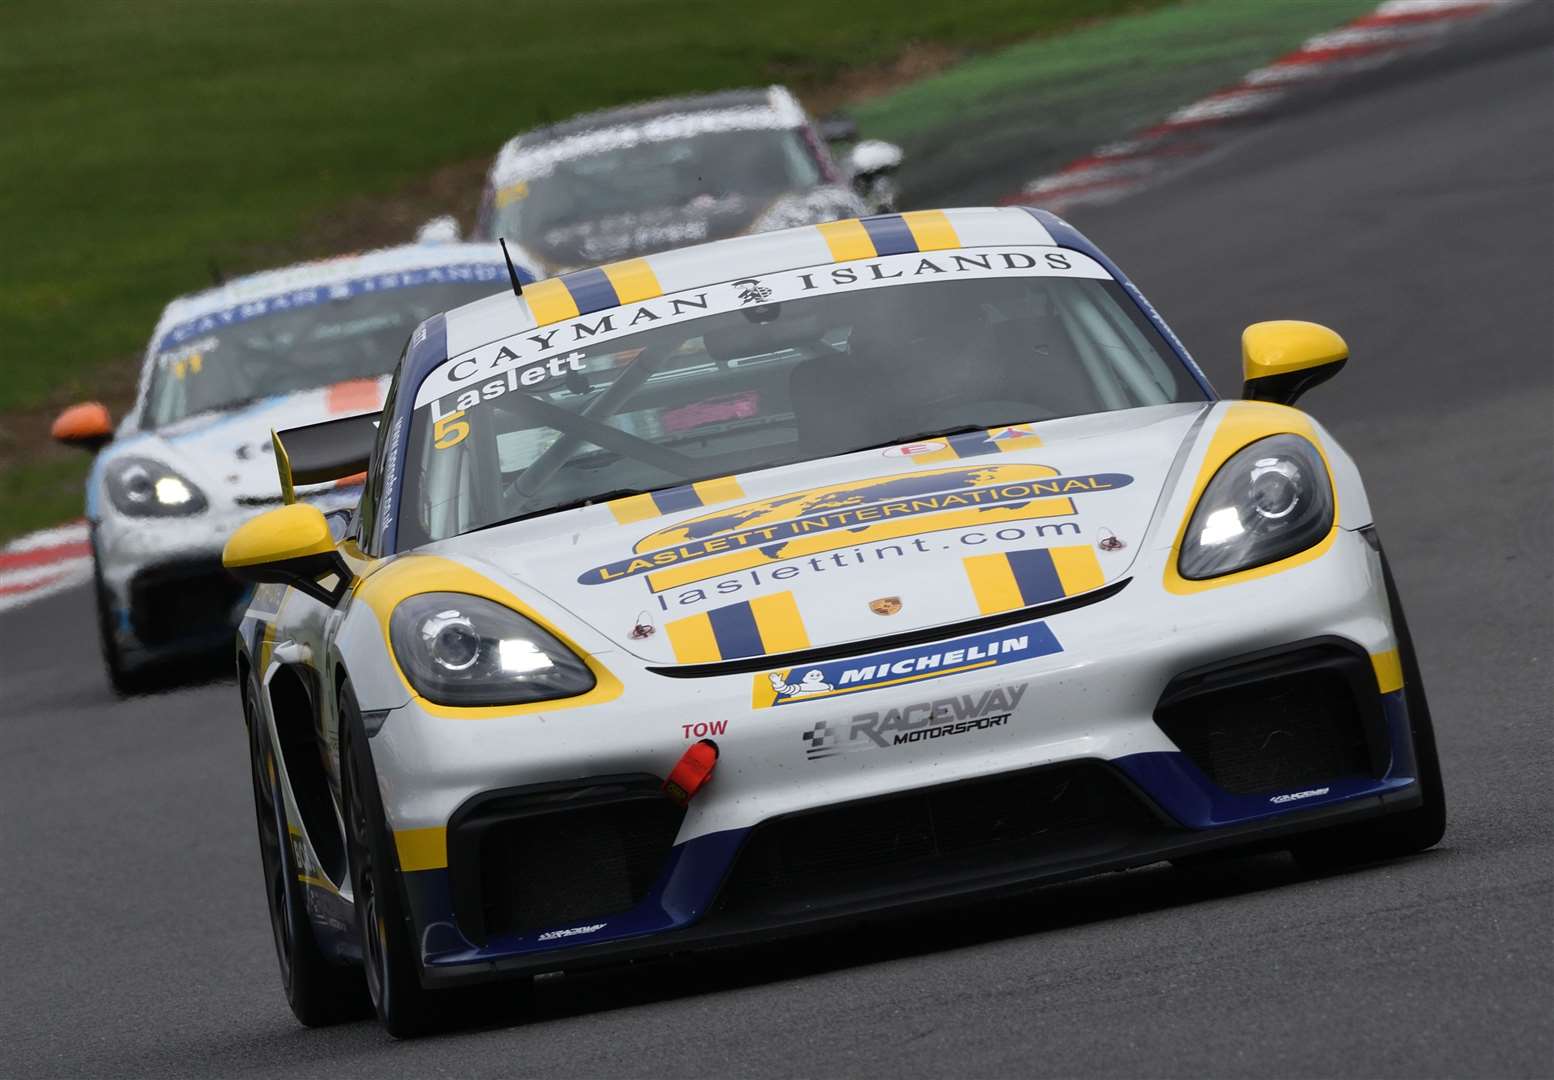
<point x="318" y="453"/>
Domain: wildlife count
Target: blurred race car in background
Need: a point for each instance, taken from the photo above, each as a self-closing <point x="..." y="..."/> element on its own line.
<point x="663" y="174"/>
<point x="193" y="457"/>
<point x="758" y="586"/>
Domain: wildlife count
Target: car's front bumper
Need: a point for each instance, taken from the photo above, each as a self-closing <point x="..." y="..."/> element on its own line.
<point x="165" y="593"/>
<point x="1090" y="706"/>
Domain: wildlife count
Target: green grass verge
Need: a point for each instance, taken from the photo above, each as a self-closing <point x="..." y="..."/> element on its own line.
<point x="40" y="494"/>
<point x="977" y="131"/>
<point x="144" y="139"/>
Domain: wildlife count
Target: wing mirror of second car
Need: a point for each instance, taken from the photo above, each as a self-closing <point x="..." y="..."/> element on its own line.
<point x="292" y="545"/>
<point x="1281" y="360"/>
<point x="86" y="425"/>
<point x="443" y="229"/>
<point x="872" y="166"/>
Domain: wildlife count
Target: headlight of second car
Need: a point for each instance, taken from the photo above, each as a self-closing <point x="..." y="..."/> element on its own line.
<point x="142" y="487"/>
<point x="1271" y="500"/>
<point x="463" y="650"/>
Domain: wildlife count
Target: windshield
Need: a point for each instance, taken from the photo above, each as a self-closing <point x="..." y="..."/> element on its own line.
<point x="611" y="200"/>
<point x="760" y="372"/>
<point x="229" y="359"/>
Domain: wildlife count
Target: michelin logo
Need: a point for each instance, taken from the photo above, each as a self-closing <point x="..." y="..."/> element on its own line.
<point x="920" y="721"/>
<point x="972" y="652"/>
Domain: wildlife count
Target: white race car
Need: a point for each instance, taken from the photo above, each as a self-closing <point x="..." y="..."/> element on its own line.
<point x="762" y="585"/>
<point x="192" y="458"/>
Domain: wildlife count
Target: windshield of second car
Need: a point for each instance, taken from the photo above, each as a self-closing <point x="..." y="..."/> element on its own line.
<point x="313" y="338"/>
<point x="785" y="367"/>
<point x="542" y="209"/>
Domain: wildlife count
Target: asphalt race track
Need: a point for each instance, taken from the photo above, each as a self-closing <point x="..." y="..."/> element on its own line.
<point x="1417" y="218"/>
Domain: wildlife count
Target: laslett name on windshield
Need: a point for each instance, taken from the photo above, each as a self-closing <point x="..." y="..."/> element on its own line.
<point x="524" y="351"/>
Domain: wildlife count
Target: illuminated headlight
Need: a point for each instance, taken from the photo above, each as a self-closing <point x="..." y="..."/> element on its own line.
<point x="462" y="650"/>
<point x="146" y="488"/>
<point x="1271" y="500"/>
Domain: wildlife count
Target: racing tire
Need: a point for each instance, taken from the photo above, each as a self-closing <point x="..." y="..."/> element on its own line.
<point x="1396" y="834"/>
<point x="126" y="681"/>
<point x="405" y="1008"/>
<point x="319" y="991"/>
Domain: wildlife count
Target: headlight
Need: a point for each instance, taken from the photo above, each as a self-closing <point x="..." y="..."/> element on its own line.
<point x="146" y="488"/>
<point x="1269" y="501"/>
<point x="462" y="650"/>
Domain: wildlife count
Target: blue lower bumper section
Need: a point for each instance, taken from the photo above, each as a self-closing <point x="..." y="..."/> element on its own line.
<point x="696" y="869"/>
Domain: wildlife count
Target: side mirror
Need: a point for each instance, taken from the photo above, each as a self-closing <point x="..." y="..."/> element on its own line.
<point x="1280" y="361"/>
<point x="872" y="166"/>
<point x="289" y="546"/>
<point x="872" y="157"/>
<point x="87" y="426"/>
<point x="838" y="127"/>
<point x="443" y="229"/>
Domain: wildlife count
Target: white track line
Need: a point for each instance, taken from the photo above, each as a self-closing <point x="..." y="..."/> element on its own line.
<point x="1121" y="168"/>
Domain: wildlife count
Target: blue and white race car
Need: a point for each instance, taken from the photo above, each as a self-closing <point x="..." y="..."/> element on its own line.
<point x="759" y="586"/>
<point x="192" y="459"/>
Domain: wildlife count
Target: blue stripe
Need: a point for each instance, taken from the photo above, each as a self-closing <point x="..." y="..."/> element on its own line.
<point x="735" y="630"/>
<point x="890" y="234"/>
<point x="672" y="499"/>
<point x="973" y="444"/>
<point x="1067" y="236"/>
<point x="1036" y="576"/>
<point x="591" y="290"/>
<point x="493" y="274"/>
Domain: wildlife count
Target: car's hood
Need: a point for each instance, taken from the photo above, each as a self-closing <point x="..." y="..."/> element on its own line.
<point x="228" y="454"/>
<point x="855" y="547"/>
<point x="622" y="236"/>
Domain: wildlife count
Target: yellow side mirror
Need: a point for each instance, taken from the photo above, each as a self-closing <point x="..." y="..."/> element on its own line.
<point x="289" y="546"/>
<point x="1281" y="360"/>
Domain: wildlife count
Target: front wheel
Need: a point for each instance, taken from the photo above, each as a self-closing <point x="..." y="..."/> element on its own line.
<point x="405" y="1008"/>
<point x="1396" y="834"/>
<point x="319" y="992"/>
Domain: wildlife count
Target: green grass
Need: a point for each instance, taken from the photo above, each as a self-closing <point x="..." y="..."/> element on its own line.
<point x="41" y="494"/>
<point x="975" y="132"/>
<point x="144" y="138"/>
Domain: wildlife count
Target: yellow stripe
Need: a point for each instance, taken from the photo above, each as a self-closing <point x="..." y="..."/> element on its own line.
<point x="422" y="849"/>
<point x="848" y="239"/>
<point x="1389" y="670"/>
<point x="993" y="583"/>
<point x="722" y="489"/>
<point x="633" y="508"/>
<point x="633" y="280"/>
<point x="1022" y="441"/>
<point x="935" y="457"/>
<point x="693" y="639"/>
<point x="778" y="620"/>
<point x="1078" y="568"/>
<point x="318" y="883"/>
<point x="931" y="229"/>
<point x="550" y="301"/>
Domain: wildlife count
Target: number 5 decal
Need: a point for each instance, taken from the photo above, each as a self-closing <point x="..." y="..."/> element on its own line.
<point x="449" y="430"/>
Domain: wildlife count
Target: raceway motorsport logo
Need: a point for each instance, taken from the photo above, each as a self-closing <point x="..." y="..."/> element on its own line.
<point x="918" y="722"/>
<point x="820" y="520"/>
<point x="970" y="653"/>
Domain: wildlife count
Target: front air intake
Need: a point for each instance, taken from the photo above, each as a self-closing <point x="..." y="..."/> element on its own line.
<point x="1276" y="721"/>
<point x="538" y="858"/>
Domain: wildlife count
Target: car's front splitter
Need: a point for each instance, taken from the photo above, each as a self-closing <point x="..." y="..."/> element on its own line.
<point x="671" y="919"/>
<point x="687" y="905"/>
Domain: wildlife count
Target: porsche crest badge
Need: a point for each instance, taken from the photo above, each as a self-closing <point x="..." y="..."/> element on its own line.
<point x="885" y="605"/>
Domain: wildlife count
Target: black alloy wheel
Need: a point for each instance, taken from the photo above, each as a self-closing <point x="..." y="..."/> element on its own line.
<point x="319" y="991"/>
<point x="405" y="1008"/>
<point x="1412" y="830"/>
